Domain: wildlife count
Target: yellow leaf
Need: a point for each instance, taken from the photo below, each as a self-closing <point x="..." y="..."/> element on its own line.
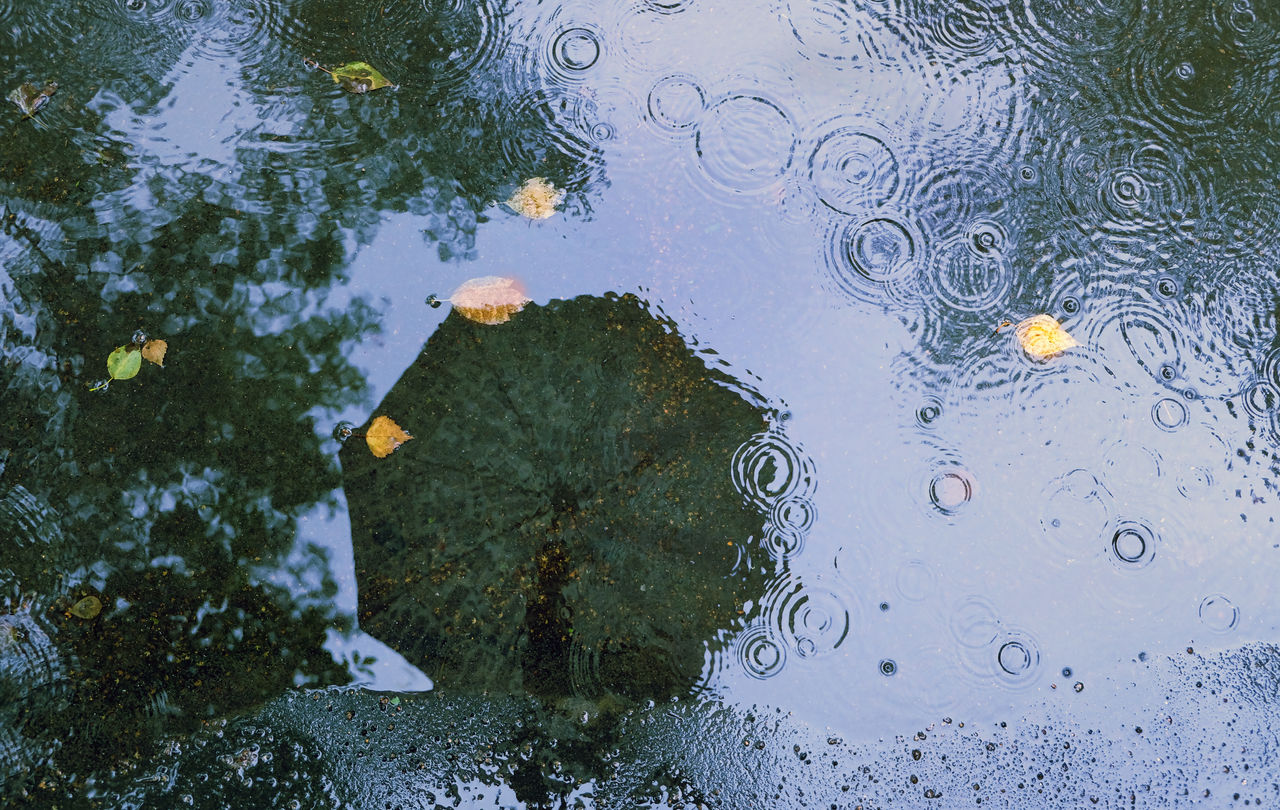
<point x="1042" y="337"/>
<point x="384" y="436"/>
<point x="87" y="608"/>
<point x="154" y="350"/>
<point x="536" y="199"/>
<point x="489" y="299"/>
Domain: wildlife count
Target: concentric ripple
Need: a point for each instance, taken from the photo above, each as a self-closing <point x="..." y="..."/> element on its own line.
<point x="1169" y="414"/>
<point x="1056" y="33"/>
<point x="745" y="143"/>
<point x="971" y="276"/>
<point x="852" y="32"/>
<point x="29" y="660"/>
<point x="952" y="195"/>
<point x="1122" y="177"/>
<point x="1074" y="511"/>
<point x="244" y="30"/>
<point x="915" y="581"/>
<point x="790" y="520"/>
<point x="1253" y="27"/>
<point x="951" y="487"/>
<point x="974" y="622"/>
<point x="676" y="103"/>
<point x="853" y="166"/>
<point x="570" y="52"/>
<point x="1131" y="544"/>
<point x="584" y="668"/>
<point x="1017" y="659"/>
<point x="876" y="259"/>
<point x="1193" y="78"/>
<point x="770" y="469"/>
<point x="1219" y="613"/>
<point x="760" y="651"/>
<point x="1205" y="342"/>
<point x="136" y="32"/>
<point x="811" y="617"/>
<point x="560" y="150"/>
<point x="963" y="28"/>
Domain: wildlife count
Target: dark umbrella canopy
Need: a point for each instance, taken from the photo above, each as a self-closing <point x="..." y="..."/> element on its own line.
<point x="565" y="520"/>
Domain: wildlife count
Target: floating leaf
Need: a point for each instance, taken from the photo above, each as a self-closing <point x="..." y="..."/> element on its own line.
<point x="359" y="77"/>
<point x="87" y="608"/>
<point x="489" y="299"/>
<point x="124" y="363"/>
<point x="153" y="350"/>
<point x="1042" y="337"/>
<point x="30" y="98"/>
<point x="384" y="436"/>
<point x="536" y="199"/>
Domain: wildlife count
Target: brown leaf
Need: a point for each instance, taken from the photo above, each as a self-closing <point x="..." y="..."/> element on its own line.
<point x="154" y="350"/>
<point x="489" y="299"/>
<point x="384" y="436"/>
<point x="30" y="98"/>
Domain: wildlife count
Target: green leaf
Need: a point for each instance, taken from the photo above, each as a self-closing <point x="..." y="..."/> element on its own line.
<point x="124" y="363"/>
<point x="359" y="77"/>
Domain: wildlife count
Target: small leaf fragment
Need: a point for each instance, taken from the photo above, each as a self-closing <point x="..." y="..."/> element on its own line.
<point x="30" y="98"/>
<point x="359" y="77"/>
<point x="124" y="363"/>
<point x="153" y="350"/>
<point x="384" y="436"/>
<point x="536" y="199"/>
<point x="1042" y="337"/>
<point x="87" y="608"/>
<point x="489" y="299"/>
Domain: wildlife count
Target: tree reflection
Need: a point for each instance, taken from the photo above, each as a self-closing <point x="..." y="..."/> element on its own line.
<point x="174" y="496"/>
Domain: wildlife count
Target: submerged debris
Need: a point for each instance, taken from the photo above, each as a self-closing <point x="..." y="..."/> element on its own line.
<point x="30" y="98"/>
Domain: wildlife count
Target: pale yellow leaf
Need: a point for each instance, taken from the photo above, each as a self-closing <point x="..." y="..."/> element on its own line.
<point x="489" y="299"/>
<point x="1042" y="337"/>
<point x="384" y="436"/>
<point x="536" y="199"/>
<point x="154" y="350"/>
<point x="87" y="608"/>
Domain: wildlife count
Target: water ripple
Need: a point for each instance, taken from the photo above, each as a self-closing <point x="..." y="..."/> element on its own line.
<point x="853" y="32"/>
<point x="1218" y="613"/>
<point x="1056" y="33"/>
<point x="760" y="651"/>
<point x="1122" y="179"/>
<point x="1198" y="341"/>
<point x="1253" y="27"/>
<point x="745" y="143"/>
<point x="854" y="165"/>
<point x="1132" y="544"/>
<point x="969" y="275"/>
<point x="813" y="618"/>
<point x="876" y="259"/>
<point x="1195" y="79"/>
<point x="245" y="30"/>
<point x="675" y="104"/>
<point x="770" y="468"/>
<point x="953" y="194"/>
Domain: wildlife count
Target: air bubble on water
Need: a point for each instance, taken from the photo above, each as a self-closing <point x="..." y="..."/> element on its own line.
<point x="342" y="431"/>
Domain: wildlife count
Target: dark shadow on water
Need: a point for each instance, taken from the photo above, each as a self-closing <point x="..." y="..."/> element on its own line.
<point x="564" y="522"/>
